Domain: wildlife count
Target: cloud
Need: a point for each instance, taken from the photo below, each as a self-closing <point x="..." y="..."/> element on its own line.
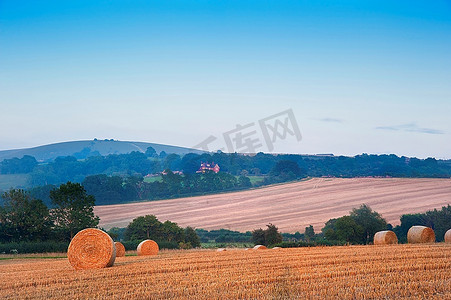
<point x="332" y="120"/>
<point x="411" y="127"/>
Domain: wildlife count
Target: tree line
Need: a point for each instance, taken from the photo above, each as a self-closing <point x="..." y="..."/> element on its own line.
<point x="27" y="219"/>
<point x="358" y="227"/>
<point x="138" y="164"/>
<point x="126" y="187"/>
<point x="27" y="223"/>
<point x="117" y="189"/>
<point x="362" y="223"/>
<point x="167" y="234"/>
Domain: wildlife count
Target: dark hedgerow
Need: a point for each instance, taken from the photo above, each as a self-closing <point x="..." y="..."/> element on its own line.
<point x="33" y="247"/>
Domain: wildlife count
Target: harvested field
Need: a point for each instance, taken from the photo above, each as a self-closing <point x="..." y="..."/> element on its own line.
<point x="350" y="272"/>
<point x="292" y="206"/>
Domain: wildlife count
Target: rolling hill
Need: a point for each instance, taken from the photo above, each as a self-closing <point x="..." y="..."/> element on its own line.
<point x="84" y="148"/>
<point x="291" y="206"/>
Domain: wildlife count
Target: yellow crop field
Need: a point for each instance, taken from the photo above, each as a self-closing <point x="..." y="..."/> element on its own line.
<point x="348" y="272"/>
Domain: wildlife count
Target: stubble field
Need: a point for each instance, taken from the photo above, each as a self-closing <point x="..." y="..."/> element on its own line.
<point x="347" y="272"/>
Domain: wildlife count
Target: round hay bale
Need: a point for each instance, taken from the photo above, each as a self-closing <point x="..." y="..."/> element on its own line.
<point x="147" y="247"/>
<point x="91" y="248"/>
<point x="448" y="236"/>
<point x="120" y="249"/>
<point x="221" y="249"/>
<point x="260" y="247"/>
<point x="385" y="237"/>
<point x="420" y="234"/>
<point x="275" y="248"/>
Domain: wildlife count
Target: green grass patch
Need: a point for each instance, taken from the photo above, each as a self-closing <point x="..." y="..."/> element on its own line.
<point x="153" y="179"/>
<point x="255" y="179"/>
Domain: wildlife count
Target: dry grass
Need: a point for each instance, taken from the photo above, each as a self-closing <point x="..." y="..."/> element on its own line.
<point x="418" y="271"/>
<point x="291" y="207"/>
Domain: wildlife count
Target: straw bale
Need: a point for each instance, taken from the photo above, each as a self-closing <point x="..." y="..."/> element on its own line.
<point x="260" y="247"/>
<point x="91" y="248"/>
<point x="420" y="234"/>
<point x="120" y="249"/>
<point x="385" y="237"/>
<point x="448" y="236"/>
<point x="147" y="247"/>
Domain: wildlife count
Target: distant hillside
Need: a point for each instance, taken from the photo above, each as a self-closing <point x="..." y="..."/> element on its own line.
<point x="82" y="149"/>
<point x="292" y="206"/>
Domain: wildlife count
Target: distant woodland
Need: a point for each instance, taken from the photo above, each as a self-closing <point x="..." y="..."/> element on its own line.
<point x="136" y="176"/>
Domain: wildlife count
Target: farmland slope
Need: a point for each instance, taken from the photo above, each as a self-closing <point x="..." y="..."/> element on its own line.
<point x="291" y="206"/>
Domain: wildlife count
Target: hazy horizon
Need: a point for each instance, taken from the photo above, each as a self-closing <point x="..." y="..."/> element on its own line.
<point x="359" y="77"/>
<point x="182" y="146"/>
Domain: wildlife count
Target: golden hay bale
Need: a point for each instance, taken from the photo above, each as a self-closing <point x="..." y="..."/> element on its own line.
<point x="420" y="234"/>
<point x="260" y="247"/>
<point x="448" y="236"/>
<point x="385" y="237"/>
<point x="147" y="247"/>
<point x="120" y="249"/>
<point x="91" y="248"/>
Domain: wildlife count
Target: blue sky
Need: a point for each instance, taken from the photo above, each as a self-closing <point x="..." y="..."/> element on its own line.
<point x="360" y="76"/>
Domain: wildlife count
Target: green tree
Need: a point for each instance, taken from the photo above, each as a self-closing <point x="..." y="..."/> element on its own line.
<point x="172" y="162"/>
<point x="347" y="229"/>
<point x="23" y="218"/>
<point x="192" y="237"/>
<point x="258" y="237"/>
<point x="116" y="233"/>
<point x="144" y="227"/>
<point x="269" y="236"/>
<point x="272" y="235"/>
<point x="370" y="221"/>
<point x="329" y="230"/>
<point x="150" y="152"/>
<point x="173" y="182"/>
<point x="309" y="233"/>
<point x="244" y="182"/>
<point x="73" y="209"/>
<point x="286" y="169"/>
<point x="172" y="232"/>
<point x="441" y="221"/>
<point x="163" y="154"/>
<point x="16" y="166"/>
<point x="105" y="189"/>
